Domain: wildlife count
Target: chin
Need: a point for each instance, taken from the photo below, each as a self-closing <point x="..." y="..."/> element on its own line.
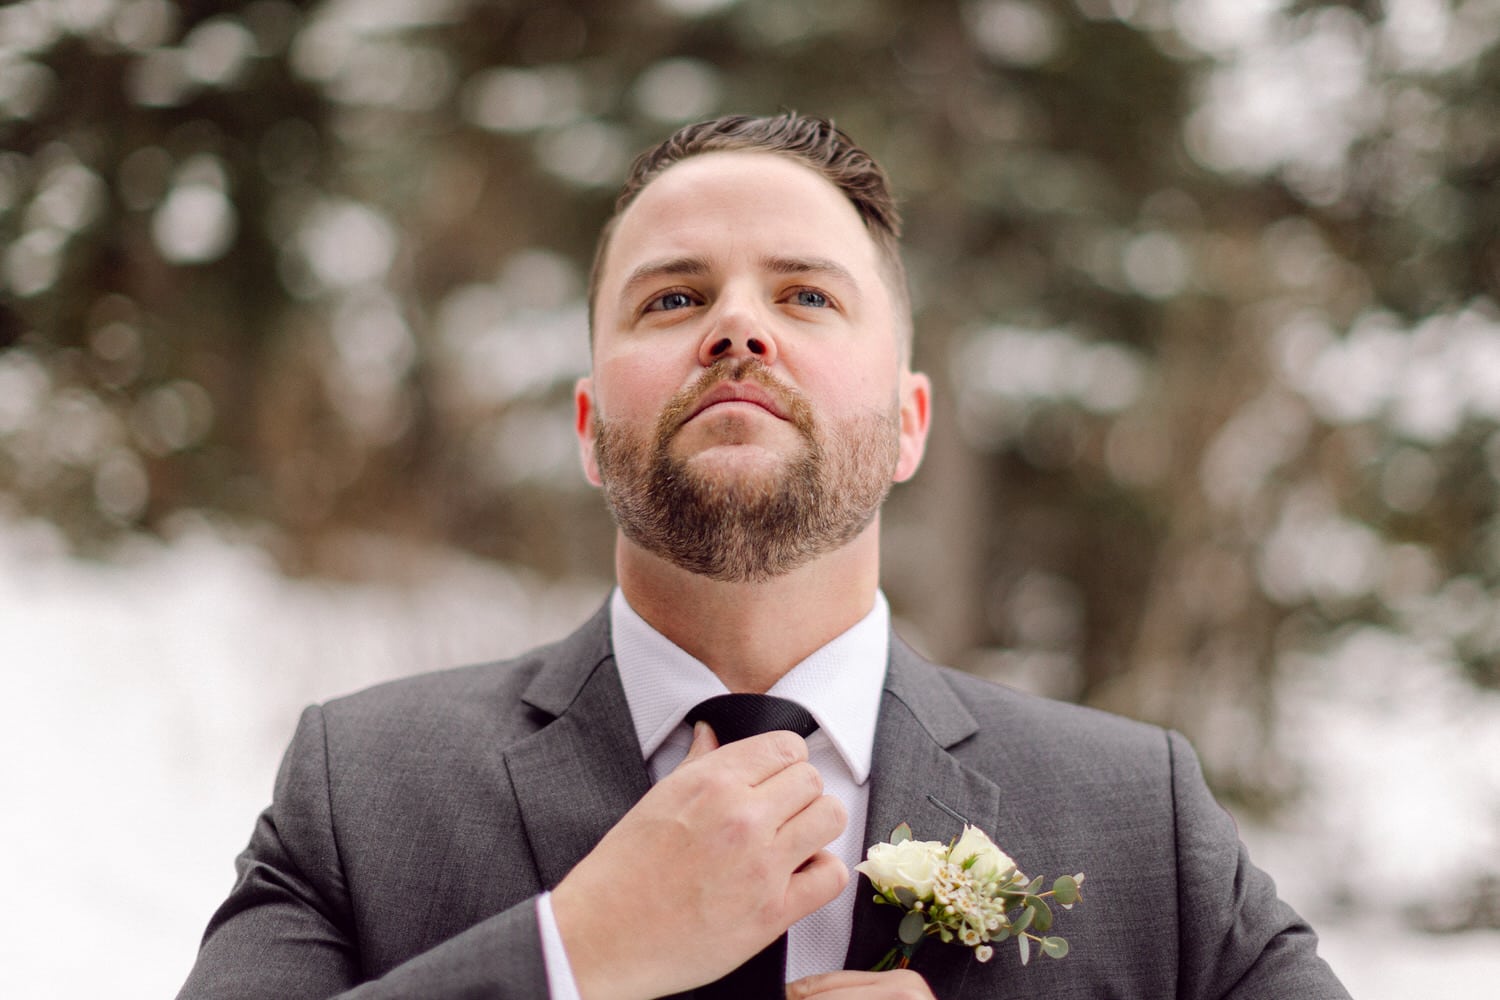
<point x="731" y="463"/>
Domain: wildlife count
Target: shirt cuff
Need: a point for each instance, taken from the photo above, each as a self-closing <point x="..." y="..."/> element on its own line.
<point x="560" y="984"/>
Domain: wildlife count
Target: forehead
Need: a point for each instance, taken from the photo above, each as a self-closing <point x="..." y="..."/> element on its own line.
<point x="722" y="203"/>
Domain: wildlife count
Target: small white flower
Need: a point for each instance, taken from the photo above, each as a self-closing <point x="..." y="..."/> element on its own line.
<point x="984" y="953"/>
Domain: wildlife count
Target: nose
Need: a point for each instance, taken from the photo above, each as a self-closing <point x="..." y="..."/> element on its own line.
<point x="737" y="334"/>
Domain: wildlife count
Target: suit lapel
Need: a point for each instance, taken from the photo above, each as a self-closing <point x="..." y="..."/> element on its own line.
<point x="913" y="777"/>
<point x="575" y="777"/>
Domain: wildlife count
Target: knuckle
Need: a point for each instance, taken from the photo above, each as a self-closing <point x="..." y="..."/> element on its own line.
<point x="741" y="820"/>
<point x="809" y="777"/>
<point x="717" y="781"/>
<point x="720" y="784"/>
<point x="830" y="816"/>
<point x="787" y="748"/>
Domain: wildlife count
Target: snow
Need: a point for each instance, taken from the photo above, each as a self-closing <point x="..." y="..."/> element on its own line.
<point x="147" y="700"/>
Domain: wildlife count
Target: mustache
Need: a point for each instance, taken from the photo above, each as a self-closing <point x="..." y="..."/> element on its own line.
<point x="684" y="404"/>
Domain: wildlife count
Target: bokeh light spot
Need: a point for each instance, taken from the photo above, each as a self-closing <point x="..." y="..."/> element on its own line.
<point x="522" y="100"/>
<point x="1014" y="32"/>
<point x="195" y="224"/>
<point x="678" y="90"/>
<point x="347" y="243"/>
<point x="32" y="263"/>
<point x="217" y="52"/>
<point x="121" y="486"/>
<point x="590" y="154"/>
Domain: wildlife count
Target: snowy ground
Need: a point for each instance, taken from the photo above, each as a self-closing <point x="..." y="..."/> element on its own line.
<point x="146" y="703"/>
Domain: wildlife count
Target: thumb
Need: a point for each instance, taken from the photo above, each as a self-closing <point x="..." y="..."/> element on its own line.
<point x="704" y="741"/>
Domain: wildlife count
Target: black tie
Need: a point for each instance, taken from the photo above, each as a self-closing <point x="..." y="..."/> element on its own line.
<point x="734" y="717"/>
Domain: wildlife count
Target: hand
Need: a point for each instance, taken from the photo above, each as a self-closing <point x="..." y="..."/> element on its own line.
<point x="710" y="866"/>
<point x="898" y="984"/>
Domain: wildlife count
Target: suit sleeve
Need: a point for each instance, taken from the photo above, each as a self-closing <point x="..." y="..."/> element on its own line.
<point x="287" y="930"/>
<point x="1238" y="940"/>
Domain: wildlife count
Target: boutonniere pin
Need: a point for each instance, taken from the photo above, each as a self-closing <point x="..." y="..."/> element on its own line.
<point x="968" y="890"/>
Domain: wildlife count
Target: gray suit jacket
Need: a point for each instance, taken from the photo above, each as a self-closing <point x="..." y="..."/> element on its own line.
<point x="414" y="823"/>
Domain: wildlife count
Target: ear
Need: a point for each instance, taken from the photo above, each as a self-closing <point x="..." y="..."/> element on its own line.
<point x="916" y="402"/>
<point x="585" y="413"/>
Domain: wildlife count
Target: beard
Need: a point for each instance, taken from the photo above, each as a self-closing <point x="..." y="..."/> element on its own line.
<point x="756" y="527"/>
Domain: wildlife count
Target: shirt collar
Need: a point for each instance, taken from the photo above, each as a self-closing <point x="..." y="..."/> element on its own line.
<point x="840" y="684"/>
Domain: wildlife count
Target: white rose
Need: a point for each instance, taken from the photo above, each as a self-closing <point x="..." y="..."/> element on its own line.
<point x="911" y="863"/>
<point x="989" y="860"/>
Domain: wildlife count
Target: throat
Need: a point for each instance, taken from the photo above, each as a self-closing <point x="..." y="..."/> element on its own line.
<point x="751" y="634"/>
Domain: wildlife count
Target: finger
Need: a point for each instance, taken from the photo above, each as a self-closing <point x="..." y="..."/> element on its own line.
<point x="755" y="758"/>
<point x="704" y="741"/>
<point x="898" y="984"/>
<point x="814" y="827"/>
<point x="791" y="789"/>
<point x="815" y="885"/>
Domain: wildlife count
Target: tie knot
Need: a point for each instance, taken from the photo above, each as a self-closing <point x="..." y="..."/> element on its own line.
<point x="736" y="716"/>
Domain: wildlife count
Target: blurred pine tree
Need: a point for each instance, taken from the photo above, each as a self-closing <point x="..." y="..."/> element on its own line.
<point x="1209" y="292"/>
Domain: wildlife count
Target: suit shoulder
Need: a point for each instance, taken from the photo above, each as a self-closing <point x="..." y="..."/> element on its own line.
<point x="451" y="685"/>
<point x="483" y="694"/>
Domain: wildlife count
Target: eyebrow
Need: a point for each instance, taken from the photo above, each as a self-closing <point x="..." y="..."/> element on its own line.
<point x="697" y="266"/>
<point x="808" y="265"/>
<point x="666" y="267"/>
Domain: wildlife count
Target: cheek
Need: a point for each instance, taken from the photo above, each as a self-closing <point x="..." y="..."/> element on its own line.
<point x="629" y="388"/>
<point x="841" y="387"/>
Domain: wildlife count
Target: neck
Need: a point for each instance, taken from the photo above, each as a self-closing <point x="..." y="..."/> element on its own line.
<point x="751" y="634"/>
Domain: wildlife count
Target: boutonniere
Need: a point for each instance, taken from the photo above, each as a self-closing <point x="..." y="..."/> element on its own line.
<point x="968" y="890"/>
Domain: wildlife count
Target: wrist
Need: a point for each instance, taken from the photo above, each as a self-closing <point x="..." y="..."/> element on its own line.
<point x="597" y="972"/>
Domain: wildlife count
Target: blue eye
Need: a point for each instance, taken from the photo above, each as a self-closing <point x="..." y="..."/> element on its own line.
<point x="670" y="301"/>
<point x="810" y="298"/>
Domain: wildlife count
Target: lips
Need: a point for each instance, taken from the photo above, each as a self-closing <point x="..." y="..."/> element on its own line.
<point x="739" y="392"/>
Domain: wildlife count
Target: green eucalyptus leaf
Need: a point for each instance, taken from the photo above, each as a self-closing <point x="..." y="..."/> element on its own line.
<point x="901" y="834"/>
<point x="906" y="897"/>
<point x="1035" y="886"/>
<point x="911" y="929"/>
<point x="1024" y="944"/>
<point x="1027" y="916"/>
<point x="1065" y="890"/>
<point x="1042" y="921"/>
<point x="1055" y="947"/>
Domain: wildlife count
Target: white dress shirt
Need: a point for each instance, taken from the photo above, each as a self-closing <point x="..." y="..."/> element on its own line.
<point x="840" y="684"/>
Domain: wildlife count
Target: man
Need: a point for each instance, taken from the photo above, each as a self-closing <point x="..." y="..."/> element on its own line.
<point x="553" y="825"/>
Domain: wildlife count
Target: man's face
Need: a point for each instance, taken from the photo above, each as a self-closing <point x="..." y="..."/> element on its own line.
<point x="749" y="406"/>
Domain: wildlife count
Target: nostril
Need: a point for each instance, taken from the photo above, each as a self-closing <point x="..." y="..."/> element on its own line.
<point x="720" y="347"/>
<point x="756" y="347"/>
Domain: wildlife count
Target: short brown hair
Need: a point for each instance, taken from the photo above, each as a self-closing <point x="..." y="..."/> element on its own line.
<point x="815" y="142"/>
